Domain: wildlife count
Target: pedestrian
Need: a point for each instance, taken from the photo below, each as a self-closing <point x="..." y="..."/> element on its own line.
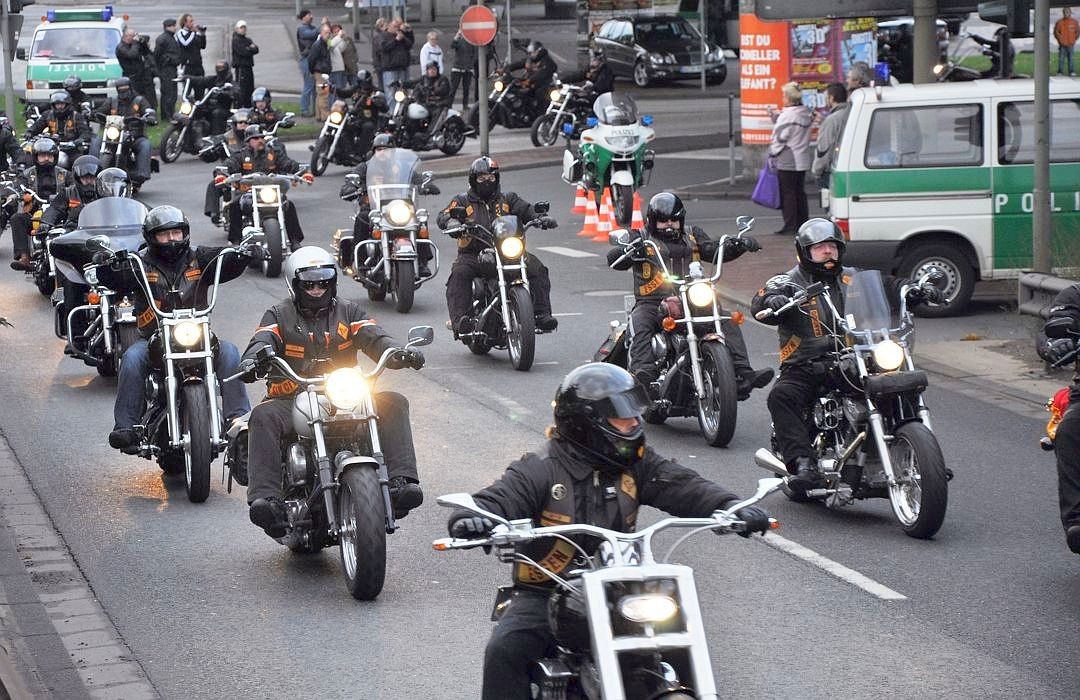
<point x="167" y="58"/>
<point x="859" y="76"/>
<point x="136" y="61"/>
<point x="191" y="38"/>
<point x="829" y="133"/>
<point x="376" y="52"/>
<point x="396" y="48"/>
<point x="465" y="57"/>
<point x="431" y="51"/>
<point x="306" y="34"/>
<point x="243" y="62"/>
<point x="319" y="63"/>
<point x="339" y="79"/>
<point x="1066" y="32"/>
<point x="790" y="149"/>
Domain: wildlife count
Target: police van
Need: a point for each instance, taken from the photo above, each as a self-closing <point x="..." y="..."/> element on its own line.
<point x="77" y="41"/>
<point x="942" y="176"/>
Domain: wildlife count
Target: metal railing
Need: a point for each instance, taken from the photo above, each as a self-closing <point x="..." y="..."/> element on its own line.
<point x="1036" y="292"/>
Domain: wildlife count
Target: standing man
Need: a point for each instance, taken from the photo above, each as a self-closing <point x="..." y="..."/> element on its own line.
<point x="1066" y="32"/>
<point x="859" y="75"/>
<point x="306" y="34"/>
<point x="396" y="48"/>
<point x="167" y="58"/>
<point x="133" y="53"/>
<point x="243" y="55"/>
<point x="376" y="52"/>
<point x="829" y="133"/>
<point x="319" y="58"/>
<point x="465" y="56"/>
<point x="191" y="38"/>
<point x="431" y="51"/>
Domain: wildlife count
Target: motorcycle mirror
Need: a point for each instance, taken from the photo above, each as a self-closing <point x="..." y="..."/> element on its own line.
<point x="542" y="207"/>
<point x="421" y="335"/>
<point x="352" y="179"/>
<point x="933" y="276"/>
<point x="1060" y="327"/>
<point x="814" y="289"/>
<point x="98" y="244"/>
<point x="427" y="177"/>
<point x="767" y="460"/>
<point x="252" y="233"/>
<point x="465" y="501"/>
<point x="619" y="236"/>
<point x="744" y="223"/>
<point x="287" y="122"/>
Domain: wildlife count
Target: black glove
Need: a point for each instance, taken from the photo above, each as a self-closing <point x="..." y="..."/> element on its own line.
<point x="430" y="188"/>
<point x="777" y="302"/>
<point x="749" y="243"/>
<point x="756" y="519"/>
<point x="77" y="143"/>
<point x="249" y="368"/>
<point x="923" y="295"/>
<point x="252" y="250"/>
<point x="547" y="222"/>
<point x="473" y="527"/>
<point x="410" y="357"/>
<point x="100" y="257"/>
<point x="453" y="224"/>
<point x="1054" y="350"/>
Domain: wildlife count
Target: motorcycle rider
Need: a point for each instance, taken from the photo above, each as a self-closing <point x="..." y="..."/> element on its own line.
<point x="600" y="74"/>
<point x="128" y="103"/>
<point x="73" y="87"/>
<point x="805" y="338"/>
<point x="368" y="104"/>
<point x="362" y="222"/>
<point x="220" y="105"/>
<point x="262" y="109"/>
<point x="680" y="245"/>
<point x="1066" y="305"/>
<point x="256" y="157"/>
<point x="483" y="203"/>
<point x="234" y="143"/>
<point x="294" y="329"/>
<point x="66" y="204"/>
<point x="10" y="152"/>
<point x="45" y="179"/>
<point x="1000" y="46"/>
<point x="540" y="68"/>
<point x="63" y="122"/>
<point x="595" y="468"/>
<point x="433" y="91"/>
<point x="171" y="263"/>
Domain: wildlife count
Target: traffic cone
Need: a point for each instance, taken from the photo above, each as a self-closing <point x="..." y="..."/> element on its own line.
<point x="637" y="221"/>
<point x="581" y="201"/>
<point x="591" y="219"/>
<point x="605" y="225"/>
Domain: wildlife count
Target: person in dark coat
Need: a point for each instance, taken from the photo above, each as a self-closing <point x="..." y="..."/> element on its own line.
<point x="319" y="58"/>
<point x="191" y="38"/>
<point x="256" y="157"/>
<point x="395" y="48"/>
<point x="136" y="59"/>
<point x="243" y="60"/>
<point x="167" y="58"/>
<point x="306" y="34"/>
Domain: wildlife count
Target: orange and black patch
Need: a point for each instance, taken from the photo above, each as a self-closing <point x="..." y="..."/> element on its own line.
<point x="815" y="320"/>
<point x="152" y="276"/>
<point x="193" y="274"/>
<point x="283" y="388"/>
<point x="145" y="317"/>
<point x="548" y="518"/>
<point x="790" y="347"/>
<point x="294" y="351"/>
<point x="343" y="330"/>
<point x="629" y="486"/>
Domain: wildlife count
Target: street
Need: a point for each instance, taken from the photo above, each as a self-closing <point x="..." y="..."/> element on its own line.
<point x="211" y="607"/>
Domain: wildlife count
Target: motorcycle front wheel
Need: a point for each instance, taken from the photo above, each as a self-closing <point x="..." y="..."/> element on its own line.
<point x="546" y="130"/>
<point x="521" y="335"/>
<point x="274" y="253"/>
<point x="363" y="533"/>
<point x="171" y="145"/>
<point x="622" y="200"/>
<point x="320" y="156"/>
<point x="195" y="427"/>
<point x="718" y="405"/>
<point x="45" y="282"/>
<point x="921" y="493"/>
<point x="453" y="137"/>
<point x="404" y="285"/>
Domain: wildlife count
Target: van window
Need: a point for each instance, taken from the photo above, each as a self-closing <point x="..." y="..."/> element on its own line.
<point x="1016" y="132"/>
<point x="925" y="137"/>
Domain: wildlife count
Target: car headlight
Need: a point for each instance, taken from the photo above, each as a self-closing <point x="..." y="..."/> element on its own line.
<point x="39" y="84"/>
<point x="499" y="86"/>
<point x="399" y="212"/>
<point x="511" y="247"/>
<point x="336" y="117"/>
<point x="187" y="333"/>
<point x="648" y="608"/>
<point x="700" y="294"/>
<point x="346" y="388"/>
<point x="555" y="95"/>
<point x="267" y="195"/>
<point x="112" y="133"/>
<point x="888" y="355"/>
<point x="186" y="108"/>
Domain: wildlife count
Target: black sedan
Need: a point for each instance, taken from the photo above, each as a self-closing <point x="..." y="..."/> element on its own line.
<point x="660" y="47"/>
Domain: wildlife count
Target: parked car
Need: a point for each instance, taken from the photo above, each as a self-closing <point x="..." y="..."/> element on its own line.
<point x="894" y="40"/>
<point x="660" y="47"/>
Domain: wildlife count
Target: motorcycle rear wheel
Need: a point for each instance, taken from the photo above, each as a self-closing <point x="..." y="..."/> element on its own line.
<point x="171" y="145"/>
<point x="718" y="408"/>
<point x="453" y="138"/>
<point x="404" y="285"/>
<point x="363" y="532"/>
<point x="921" y="495"/>
<point x="195" y="426"/>
<point x="320" y="156"/>
<point x="521" y="335"/>
<point x="274" y="254"/>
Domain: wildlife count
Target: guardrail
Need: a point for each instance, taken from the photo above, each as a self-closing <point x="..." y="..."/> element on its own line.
<point x="1036" y="292"/>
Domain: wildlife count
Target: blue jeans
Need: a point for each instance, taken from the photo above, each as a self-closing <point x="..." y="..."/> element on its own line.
<point x="1065" y="55"/>
<point x="142" y="150"/>
<point x="307" y="92"/>
<point x="131" y="384"/>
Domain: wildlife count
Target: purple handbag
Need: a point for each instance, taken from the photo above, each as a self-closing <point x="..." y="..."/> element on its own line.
<point x="767" y="191"/>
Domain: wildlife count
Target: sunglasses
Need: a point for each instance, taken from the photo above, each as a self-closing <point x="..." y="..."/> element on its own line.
<point x="315" y="284"/>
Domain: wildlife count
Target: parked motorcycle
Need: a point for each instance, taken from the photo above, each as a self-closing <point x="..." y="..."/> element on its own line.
<point x="871" y="428"/>
<point x="189" y="125"/>
<point x="566" y="114"/>
<point x="97" y="323"/>
<point x="411" y="124"/>
<point x="509" y="105"/>
<point x="613" y="153"/>
<point x="387" y="262"/>
<point x="625" y="624"/>
<point x="334" y="476"/>
<point x="501" y="315"/>
<point x="356" y="146"/>
<point x="182" y="424"/>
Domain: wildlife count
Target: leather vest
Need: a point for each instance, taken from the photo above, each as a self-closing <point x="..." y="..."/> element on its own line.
<point x="649" y="282"/>
<point x="184" y="277"/>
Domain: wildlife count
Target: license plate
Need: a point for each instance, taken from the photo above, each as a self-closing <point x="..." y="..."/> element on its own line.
<point x="690" y="69"/>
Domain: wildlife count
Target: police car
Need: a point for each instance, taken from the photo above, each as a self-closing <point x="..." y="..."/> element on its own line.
<point x="77" y="41"/>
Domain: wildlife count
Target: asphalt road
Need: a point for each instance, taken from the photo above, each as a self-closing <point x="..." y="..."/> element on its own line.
<point x="211" y="607"/>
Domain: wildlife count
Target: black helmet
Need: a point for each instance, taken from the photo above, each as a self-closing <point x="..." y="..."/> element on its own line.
<point x="536" y="50"/>
<point x="664" y="206"/>
<point x="113" y="182"/>
<point x="432" y="64"/>
<point x="363" y="76"/>
<point x="62" y="98"/>
<point x="86" y="166"/>
<point x="223" y="69"/>
<point x="382" y="141"/>
<point x="45" y="146"/>
<point x="164" y="218"/>
<point x="817" y="231"/>
<point x="240" y="116"/>
<point x="484" y="165"/>
<point x="123" y="86"/>
<point x="261" y="94"/>
<point x="253" y="131"/>
<point x="584" y="401"/>
<point x="72" y="83"/>
<point x="311" y="264"/>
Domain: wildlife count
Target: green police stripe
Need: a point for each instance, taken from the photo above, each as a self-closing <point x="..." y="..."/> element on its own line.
<point x="915" y="180"/>
<point x="56" y="72"/>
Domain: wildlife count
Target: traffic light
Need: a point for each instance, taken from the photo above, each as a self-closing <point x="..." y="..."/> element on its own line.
<point x="16" y="6"/>
<point x="1014" y="14"/>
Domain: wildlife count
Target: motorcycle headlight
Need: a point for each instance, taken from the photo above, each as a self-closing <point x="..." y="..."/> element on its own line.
<point x="700" y="294"/>
<point x="622" y="142"/>
<point x="499" y="86"/>
<point x="186" y="108"/>
<point x="511" y="247"/>
<point x="555" y="95"/>
<point x="888" y="355"/>
<point x="187" y="333"/>
<point x="399" y="212"/>
<point x="336" y="117"/>
<point x="939" y="68"/>
<point x="112" y="133"/>
<point x="648" y="608"/>
<point x="346" y="388"/>
<point x="268" y="195"/>
<point x="399" y="96"/>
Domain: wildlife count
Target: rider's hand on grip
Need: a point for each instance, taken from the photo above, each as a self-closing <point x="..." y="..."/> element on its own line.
<point x="473" y="527"/>
<point x="749" y="243"/>
<point x="1055" y="350"/>
<point x="252" y="250"/>
<point x="249" y="370"/>
<point x="926" y="294"/>
<point x="755" y="519"/>
<point x="410" y="357"/>
<point x="451" y="225"/>
<point x="777" y="302"/>
<point x="547" y="222"/>
<point x="308" y="178"/>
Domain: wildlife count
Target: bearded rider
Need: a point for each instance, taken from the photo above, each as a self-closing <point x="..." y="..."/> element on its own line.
<point x="806" y="338"/>
<point x="316" y="332"/>
<point x="680" y="245"/>
<point x="234" y="143"/>
<point x="45" y="179"/>
<point x="597" y="453"/>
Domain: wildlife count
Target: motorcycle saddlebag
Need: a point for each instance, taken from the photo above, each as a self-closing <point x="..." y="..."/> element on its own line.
<point x="896" y="383"/>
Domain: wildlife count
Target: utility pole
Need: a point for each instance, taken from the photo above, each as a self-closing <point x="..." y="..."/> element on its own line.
<point x="924" y="49"/>
<point x="9" y="88"/>
<point x="1041" y="222"/>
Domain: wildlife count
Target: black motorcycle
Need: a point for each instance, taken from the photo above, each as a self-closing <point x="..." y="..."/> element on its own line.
<point x="190" y="123"/>
<point x="567" y="112"/>
<point x="346" y="136"/>
<point x="413" y="128"/>
<point x="509" y="104"/>
<point x="118" y="144"/>
<point x="214" y="149"/>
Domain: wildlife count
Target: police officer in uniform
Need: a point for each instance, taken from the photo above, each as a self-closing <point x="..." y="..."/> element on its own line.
<point x="483" y="203"/>
<point x="315" y="331"/>
<point x="595" y="468"/>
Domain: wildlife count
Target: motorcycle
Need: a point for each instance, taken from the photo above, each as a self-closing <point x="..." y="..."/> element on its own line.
<point x="697" y="376"/>
<point x="43" y="272"/>
<point x="216" y="148"/>
<point x="613" y="153"/>
<point x="412" y="125"/>
<point x="509" y="105"/>
<point x="333" y="472"/>
<point x="566" y="114"/>
<point x="625" y="624"/>
<point x="117" y="144"/>
<point x="501" y="315"/>
<point x="261" y="196"/>
<point x="387" y="262"/>
<point x="342" y="121"/>
<point x="189" y="125"/>
<point x="97" y="323"/>
<point x="69" y="150"/>
<point x="182" y="423"/>
<point x="871" y="431"/>
<point x="1059" y="402"/>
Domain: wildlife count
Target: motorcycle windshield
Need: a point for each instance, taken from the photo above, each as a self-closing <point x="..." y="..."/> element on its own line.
<point x="506" y="226"/>
<point x="865" y="300"/>
<point x="390" y="173"/>
<point x="615" y="109"/>
<point x="118" y="218"/>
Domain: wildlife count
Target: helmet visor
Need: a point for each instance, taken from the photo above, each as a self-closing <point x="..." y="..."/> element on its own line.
<point x="630" y="403"/>
<point x="316" y="274"/>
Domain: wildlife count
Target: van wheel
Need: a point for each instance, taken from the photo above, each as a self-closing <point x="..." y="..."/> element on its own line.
<point x="959" y="282"/>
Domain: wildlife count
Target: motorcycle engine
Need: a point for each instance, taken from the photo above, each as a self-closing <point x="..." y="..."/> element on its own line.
<point x="856" y="412"/>
<point x="296" y="465"/>
<point x="827" y="414"/>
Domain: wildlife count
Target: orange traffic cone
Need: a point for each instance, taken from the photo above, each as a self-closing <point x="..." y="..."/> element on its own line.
<point x="605" y="225"/>
<point x="581" y="201"/>
<point x="591" y="220"/>
<point x="637" y="221"/>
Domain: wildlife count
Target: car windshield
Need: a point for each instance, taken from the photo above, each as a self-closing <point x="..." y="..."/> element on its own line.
<point x="665" y="31"/>
<point x="390" y="175"/>
<point x="615" y="109"/>
<point x="72" y="42"/>
<point x="865" y="300"/>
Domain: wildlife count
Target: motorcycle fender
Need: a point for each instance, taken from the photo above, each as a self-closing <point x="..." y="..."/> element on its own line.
<point x="403" y="248"/>
<point x="340" y="465"/>
<point x="622" y="177"/>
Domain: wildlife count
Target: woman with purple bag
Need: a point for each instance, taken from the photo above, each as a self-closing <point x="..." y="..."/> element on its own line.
<point x="791" y="155"/>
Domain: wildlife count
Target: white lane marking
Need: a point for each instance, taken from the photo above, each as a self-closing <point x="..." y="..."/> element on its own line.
<point x="606" y="293"/>
<point x="835" y="568"/>
<point x="568" y="313"/>
<point x="568" y="252"/>
<point x="550" y="363"/>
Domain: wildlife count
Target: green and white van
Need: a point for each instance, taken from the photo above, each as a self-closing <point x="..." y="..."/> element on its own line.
<point x="77" y="41"/>
<point x="941" y="175"/>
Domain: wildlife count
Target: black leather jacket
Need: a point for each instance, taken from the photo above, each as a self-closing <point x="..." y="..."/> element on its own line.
<point x="678" y="254"/>
<point x="66" y="205"/>
<point x="1066" y="305"/>
<point x="479" y="211"/>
